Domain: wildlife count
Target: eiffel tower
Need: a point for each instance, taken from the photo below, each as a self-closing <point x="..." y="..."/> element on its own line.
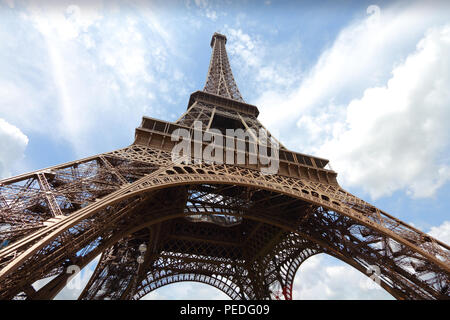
<point x="156" y="221"/>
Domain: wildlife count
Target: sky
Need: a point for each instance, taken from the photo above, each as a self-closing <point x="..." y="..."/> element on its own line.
<point x="361" y="83"/>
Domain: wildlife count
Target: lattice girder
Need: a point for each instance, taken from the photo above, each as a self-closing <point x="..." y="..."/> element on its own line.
<point x="39" y="248"/>
<point x="220" y="79"/>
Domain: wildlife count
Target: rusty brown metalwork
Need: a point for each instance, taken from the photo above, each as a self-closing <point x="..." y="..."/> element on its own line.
<point x="226" y="225"/>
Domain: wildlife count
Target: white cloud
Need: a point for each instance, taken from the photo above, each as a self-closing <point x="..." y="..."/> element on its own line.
<point x="441" y="232"/>
<point x="318" y="280"/>
<point x="373" y="104"/>
<point x="89" y="65"/>
<point x="206" y="9"/>
<point x="63" y="19"/>
<point x="129" y="65"/>
<point x="242" y="45"/>
<point x="396" y="136"/>
<point x="12" y="147"/>
<point x="265" y="66"/>
<point x="363" y="54"/>
<point x="201" y="3"/>
<point x="211" y="14"/>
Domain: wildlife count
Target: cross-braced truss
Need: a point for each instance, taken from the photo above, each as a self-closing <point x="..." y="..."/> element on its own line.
<point x="220" y="79"/>
<point x="227" y="225"/>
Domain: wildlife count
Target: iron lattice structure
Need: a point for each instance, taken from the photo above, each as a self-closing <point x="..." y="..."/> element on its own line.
<point x="226" y="225"/>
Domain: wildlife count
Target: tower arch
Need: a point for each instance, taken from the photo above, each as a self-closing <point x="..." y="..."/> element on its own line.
<point x="186" y="290"/>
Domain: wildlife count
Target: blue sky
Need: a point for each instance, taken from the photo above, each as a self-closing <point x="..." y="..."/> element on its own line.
<point x="362" y="83"/>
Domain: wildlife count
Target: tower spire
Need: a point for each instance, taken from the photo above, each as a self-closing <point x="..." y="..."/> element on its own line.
<point x="220" y="80"/>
